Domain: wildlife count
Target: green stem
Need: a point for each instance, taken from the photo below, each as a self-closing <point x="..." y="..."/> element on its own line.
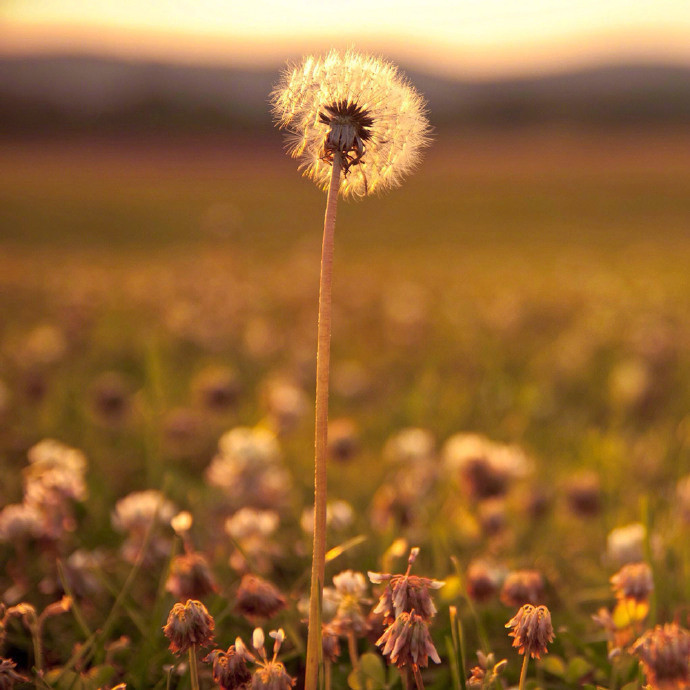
<point x="193" y="668"/>
<point x="523" y="673"/>
<point x="323" y="356"/>
<point x="36" y="632"/>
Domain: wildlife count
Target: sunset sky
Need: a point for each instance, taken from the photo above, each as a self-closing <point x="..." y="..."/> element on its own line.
<point x="463" y="37"/>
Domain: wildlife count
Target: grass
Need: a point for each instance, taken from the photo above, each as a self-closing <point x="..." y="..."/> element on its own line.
<point x="529" y="287"/>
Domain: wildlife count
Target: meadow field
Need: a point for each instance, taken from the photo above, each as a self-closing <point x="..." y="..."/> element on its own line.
<point x="510" y="393"/>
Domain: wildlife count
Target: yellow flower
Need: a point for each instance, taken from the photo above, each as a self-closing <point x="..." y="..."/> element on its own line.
<point x="355" y="106"/>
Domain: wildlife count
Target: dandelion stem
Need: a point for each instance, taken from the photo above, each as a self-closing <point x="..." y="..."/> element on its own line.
<point x="323" y="355"/>
<point x="523" y="673"/>
<point x="193" y="668"/>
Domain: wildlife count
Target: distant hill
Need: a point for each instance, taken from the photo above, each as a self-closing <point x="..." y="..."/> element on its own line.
<point x="56" y="93"/>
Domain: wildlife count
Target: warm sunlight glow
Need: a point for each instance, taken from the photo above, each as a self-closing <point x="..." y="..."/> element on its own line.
<point x="466" y="36"/>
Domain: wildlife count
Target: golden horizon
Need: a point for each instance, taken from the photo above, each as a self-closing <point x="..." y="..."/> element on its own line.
<point x="481" y="60"/>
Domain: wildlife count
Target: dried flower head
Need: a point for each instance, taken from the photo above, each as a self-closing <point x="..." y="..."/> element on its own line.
<point x="634" y="582"/>
<point x="230" y="670"/>
<point x="665" y="656"/>
<point x="407" y="642"/>
<point x="532" y="630"/>
<point x="190" y="577"/>
<point x="406" y="592"/>
<point x="188" y="625"/>
<point x="358" y="107"/>
<point x="258" y="599"/>
<point x="522" y="587"/>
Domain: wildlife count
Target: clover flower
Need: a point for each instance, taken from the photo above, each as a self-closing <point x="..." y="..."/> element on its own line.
<point x="406" y="592"/>
<point x="351" y="589"/>
<point x="189" y="625"/>
<point x="230" y="670"/>
<point x="407" y="642"/>
<point x="357" y="106"/>
<point x="634" y="582"/>
<point x="532" y="630"/>
<point x="665" y="656"/>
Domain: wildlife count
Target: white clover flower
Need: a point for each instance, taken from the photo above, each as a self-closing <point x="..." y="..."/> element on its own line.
<point x="358" y="106"/>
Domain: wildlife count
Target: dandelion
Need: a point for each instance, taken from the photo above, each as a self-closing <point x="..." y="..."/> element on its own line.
<point x="356" y="108"/>
<point x="665" y="656"/>
<point x="356" y="126"/>
<point x="532" y="631"/>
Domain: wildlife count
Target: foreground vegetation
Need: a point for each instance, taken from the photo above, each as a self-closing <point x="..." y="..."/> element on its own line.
<point x="521" y="305"/>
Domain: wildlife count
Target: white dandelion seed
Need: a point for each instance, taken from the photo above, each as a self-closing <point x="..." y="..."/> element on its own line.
<point x="358" y="105"/>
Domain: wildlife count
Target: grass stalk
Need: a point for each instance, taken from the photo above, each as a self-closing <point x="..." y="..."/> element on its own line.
<point x="193" y="668"/>
<point x="323" y="356"/>
<point x="523" y="673"/>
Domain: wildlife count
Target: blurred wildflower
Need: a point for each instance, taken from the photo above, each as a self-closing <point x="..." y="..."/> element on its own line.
<point x="183" y="431"/>
<point x="626" y="544"/>
<point x="583" y="492"/>
<point x="351" y="590"/>
<point x="410" y="447"/>
<point x="188" y="625"/>
<point x="287" y="404"/>
<point x="483" y="580"/>
<point x="522" y="587"/>
<point x="52" y="481"/>
<point x="633" y="582"/>
<point x="358" y="106"/>
<point x="251" y="531"/>
<point x="665" y="656"/>
<point x="532" y="630"/>
<point x="492" y="515"/>
<point x="249" y="469"/>
<point x="20" y="522"/>
<point x="331" y="643"/>
<point x="216" y="388"/>
<point x="484" y="467"/>
<point x="138" y="512"/>
<point x="339" y="516"/>
<point x="343" y="439"/>
<point x="190" y="577"/>
<point x="110" y="399"/>
<point x="80" y="572"/>
<point x="257" y="599"/>
<point x="230" y="670"/>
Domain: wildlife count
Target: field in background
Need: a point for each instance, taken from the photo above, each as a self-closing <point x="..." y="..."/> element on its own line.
<point x="530" y="286"/>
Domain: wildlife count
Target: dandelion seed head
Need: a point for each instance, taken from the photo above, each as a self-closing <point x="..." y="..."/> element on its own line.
<point x="357" y="106"/>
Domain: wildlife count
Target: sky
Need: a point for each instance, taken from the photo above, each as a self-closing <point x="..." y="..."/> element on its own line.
<point x="461" y="37"/>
